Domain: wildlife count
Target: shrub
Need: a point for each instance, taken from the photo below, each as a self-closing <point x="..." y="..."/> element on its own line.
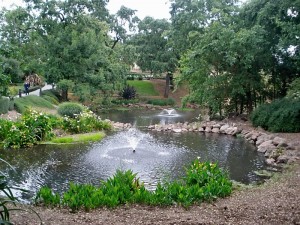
<point x="33" y="127"/>
<point x="128" y="92"/>
<point x="70" y="109"/>
<point x="162" y="102"/>
<point x="5" y="126"/>
<point x="4" y="105"/>
<point x="85" y="122"/>
<point x="279" y="116"/>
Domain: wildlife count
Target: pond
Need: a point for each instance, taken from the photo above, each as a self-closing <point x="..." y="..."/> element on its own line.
<point x="155" y="157"/>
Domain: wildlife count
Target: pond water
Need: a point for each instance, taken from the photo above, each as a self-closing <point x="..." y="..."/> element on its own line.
<point x="158" y="157"/>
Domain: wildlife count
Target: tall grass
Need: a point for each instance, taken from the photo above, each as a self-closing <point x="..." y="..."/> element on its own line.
<point x="31" y="101"/>
<point x="143" y="88"/>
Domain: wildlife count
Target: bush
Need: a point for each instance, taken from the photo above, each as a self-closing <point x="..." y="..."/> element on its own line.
<point x="279" y="116"/>
<point x="70" y="109"/>
<point x="162" y="102"/>
<point x="5" y="126"/>
<point x="84" y="122"/>
<point x="4" y="105"/>
<point x="33" y="127"/>
<point x="128" y="92"/>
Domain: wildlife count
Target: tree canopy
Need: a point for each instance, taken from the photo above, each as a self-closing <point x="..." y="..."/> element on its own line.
<point x="233" y="56"/>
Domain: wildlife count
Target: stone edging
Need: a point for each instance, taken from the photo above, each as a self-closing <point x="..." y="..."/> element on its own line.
<point x="277" y="150"/>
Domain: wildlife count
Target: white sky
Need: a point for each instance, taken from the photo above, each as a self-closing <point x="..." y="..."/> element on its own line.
<point x="155" y="8"/>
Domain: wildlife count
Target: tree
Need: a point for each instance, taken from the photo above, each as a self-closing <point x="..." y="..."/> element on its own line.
<point x="151" y="43"/>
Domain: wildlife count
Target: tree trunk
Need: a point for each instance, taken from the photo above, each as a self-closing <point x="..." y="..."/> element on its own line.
<point x="167" y="88"/>
<point x="64" y="95"/>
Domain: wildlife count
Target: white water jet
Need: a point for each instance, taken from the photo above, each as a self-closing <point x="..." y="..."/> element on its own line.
<point x="133" y="137"/>
<point x="169" y="113"/>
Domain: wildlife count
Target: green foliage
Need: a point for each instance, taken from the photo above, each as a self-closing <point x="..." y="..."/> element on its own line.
<point x="294" y="89"/>
<point x="50" y="99"/>
<point x="203" y="182"/>
<point x="53" y="94"/>
<point x="128" y="93"/>
<point x="5" y="126"/>
<point x="85" y="122"/>
<point x="162" y="102"/>
<point x="70" y="109"/>
<point x="143" y="88"/>
<point x="78" y="138"/>
<point x="124" y="101"/>
<point x="4" y="105"/>
<point x="4" y="82"/>
<point x="279" y="116"/>
<point x="33" y="127"/>
<point x="47" y="197"/>
<point x="30" y="101"/>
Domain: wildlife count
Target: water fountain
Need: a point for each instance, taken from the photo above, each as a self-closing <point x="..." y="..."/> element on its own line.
<point x="169" y="113"/>
<point x="134" y="137"/>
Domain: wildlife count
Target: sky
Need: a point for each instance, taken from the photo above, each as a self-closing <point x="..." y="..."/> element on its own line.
<point x="157" y="9"/>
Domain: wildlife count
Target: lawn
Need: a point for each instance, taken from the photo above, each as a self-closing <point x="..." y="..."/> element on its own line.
<point x="31" y="101"/>
<point x="143" y="88"/>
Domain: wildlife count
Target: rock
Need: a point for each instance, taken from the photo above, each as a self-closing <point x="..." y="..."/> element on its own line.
<point x="232" y="131"/>
<point x="280" y="142"/>
<point x="216" y="126"/>
<point x="215" y="130"/>
<point x="178" y="130"/>
<point x="270" y="161"/>
<point x="265" y="146"/>
<point x="200" y="129"/>
<point x="224" y="128"/>
<point x="208" y="130"/>
<point x="254" y="136"/>
<point x="263" y="173"/>
<point x="283" y="159"/>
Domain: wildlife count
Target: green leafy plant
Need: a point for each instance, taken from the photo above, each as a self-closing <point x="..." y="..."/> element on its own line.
<point x="70" y="109"/>
<point x="32" y="127"/>
<point x="162" y="102"/>
<point x="84" y="122"/>
<point x="279" y="116"/>
<point x="203" y="182"/>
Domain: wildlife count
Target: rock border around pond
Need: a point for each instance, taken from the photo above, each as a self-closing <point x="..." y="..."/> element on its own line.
<point x="277" y="150"/>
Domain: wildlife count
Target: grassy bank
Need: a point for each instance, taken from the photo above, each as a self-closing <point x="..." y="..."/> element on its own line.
<point x="78" y="138"/>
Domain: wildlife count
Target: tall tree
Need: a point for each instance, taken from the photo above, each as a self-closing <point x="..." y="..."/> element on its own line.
<point x="151" y="42"/>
